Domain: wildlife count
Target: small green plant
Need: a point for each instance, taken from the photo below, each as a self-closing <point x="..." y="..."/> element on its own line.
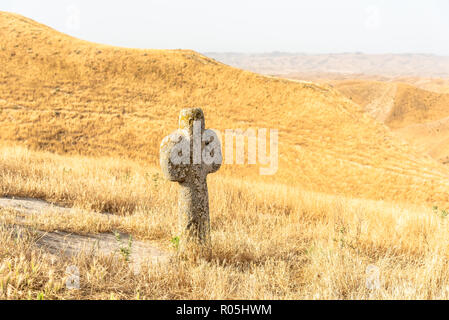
<point x="40" y="296"/>
<point x="441" y="212"/>
<point x="125" y="249"/>
<point x="127" y="176"/>
<point x="342" y="231"/>
<point x="155" y="179"/>
<point x="310" y="250"/>
<point x="344" y="239"/>
<point x="175" y="242"/>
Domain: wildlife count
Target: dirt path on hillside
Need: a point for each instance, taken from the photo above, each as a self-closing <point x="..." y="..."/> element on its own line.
<point x="380" y="108"/>
<point x="70" y="244"/>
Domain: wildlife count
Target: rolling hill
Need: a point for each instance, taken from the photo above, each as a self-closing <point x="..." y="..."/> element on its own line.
<point x="416" y="115"/>
<point x="396" y="104"/>
<point x="437" y="85"/>
<point x="430" y="137"/>
<point x="375" y="97"/>
<point x="70" y="96"/>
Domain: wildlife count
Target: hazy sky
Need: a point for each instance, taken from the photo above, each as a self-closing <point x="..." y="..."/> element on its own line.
<point x="312" y="26"/>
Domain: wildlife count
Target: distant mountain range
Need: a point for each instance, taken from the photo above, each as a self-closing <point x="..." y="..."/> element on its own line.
<point x="390" y="65"/>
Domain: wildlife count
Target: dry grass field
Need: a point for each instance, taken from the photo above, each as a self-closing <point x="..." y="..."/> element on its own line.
<point x="270" y="241"/>
<point x="81" y="125"/>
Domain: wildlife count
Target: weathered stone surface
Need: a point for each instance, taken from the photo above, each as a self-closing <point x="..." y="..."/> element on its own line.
<point x="187" y="156"/>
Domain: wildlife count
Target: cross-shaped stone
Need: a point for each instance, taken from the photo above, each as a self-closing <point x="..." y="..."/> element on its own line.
<point x="187" y="156"/>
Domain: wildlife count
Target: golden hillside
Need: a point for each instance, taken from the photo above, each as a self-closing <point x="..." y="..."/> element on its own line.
<point x="396" y="104"/>
<point x="375" y="97"/>
<point x="66" y="95"/>
<point x="430" y="137"/>
<point x="416" y="115"/>
<point x="437" y="85"/>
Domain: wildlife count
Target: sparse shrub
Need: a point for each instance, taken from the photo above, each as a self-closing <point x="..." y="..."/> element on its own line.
<point x="125" y="249"/>
<point x="175" y="242"/>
